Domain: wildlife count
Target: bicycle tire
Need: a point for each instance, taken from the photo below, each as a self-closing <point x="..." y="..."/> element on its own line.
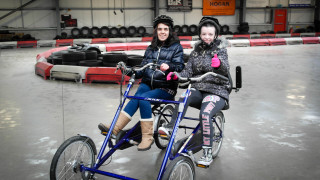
<point x="73" y="160"/>
<point x="161" y="142"/>
<point x="180" y="168"/>
<point x="218" y="137"/>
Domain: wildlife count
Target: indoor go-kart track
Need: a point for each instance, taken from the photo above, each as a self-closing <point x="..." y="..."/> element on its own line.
<point x="272" y="128"/>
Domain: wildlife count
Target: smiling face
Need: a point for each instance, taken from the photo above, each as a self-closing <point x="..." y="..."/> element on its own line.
<point x="162" y="32"/>
<point x="207" y="34"/>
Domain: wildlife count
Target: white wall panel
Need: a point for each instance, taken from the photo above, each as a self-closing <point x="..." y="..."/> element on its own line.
<point x="12" y="4"/>
<point x="12" y="21"/>
<point x="100" y="3"/>
<point x="255" y="16"/>
<point x="83" y="17"/>
<point x="138" y="17"/>
<point x="193" y="17"/>
<point x="39" y="19"/>
<point x="101" y="18"/>
<point x="40" y="4"/>
<point x="301" y="16"/>
<point x="74" y="3"/>
<point x="138" y="3"/>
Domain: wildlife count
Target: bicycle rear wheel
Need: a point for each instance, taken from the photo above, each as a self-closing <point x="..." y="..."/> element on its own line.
<point x="218" y="135"/>
<point x="163" y="120"/>
<point x="70" y="155"/>
<point x="181" y="168"/>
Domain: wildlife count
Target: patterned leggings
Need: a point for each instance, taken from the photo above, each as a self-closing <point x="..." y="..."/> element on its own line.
<point x="209" y="105"/>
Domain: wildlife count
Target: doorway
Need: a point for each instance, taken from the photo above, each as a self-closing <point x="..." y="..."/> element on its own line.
<point x="280" y="20"/>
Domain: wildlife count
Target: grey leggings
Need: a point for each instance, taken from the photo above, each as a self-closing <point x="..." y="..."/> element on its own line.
<point x="209" y="105"/>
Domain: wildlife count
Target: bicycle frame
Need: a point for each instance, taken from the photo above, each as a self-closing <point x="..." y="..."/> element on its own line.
<point x="100" y="160"/>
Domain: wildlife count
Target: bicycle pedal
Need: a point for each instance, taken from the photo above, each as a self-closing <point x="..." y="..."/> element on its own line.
<point x="105" y="134"/>
<point x="203" y="166"/>
<point x="134" y="142"/>
<point x="163" y="136"/>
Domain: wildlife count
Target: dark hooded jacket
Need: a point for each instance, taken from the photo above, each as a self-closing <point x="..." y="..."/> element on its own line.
<point x="200" y="62"/>
<point x="172" y="54"/>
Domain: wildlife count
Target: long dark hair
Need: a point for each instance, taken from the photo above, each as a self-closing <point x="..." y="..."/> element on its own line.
<point x="171" y="38"/>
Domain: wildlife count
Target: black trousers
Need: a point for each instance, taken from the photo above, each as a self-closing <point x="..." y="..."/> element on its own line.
<point x="209" y="105"/>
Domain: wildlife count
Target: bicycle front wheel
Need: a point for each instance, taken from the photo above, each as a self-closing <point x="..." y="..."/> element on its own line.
<point x="75" y="151"/>
<point x="181" y="168"/>
<point x="164" y="119"/>
<point x="218" y="127"/>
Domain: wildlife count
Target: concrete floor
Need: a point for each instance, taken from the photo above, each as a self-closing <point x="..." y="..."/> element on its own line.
<point x="272" y="129"/>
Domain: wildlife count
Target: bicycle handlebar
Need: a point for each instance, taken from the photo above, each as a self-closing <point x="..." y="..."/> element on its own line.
<point x="200" y="77"/>
<point x="121" y="65"/>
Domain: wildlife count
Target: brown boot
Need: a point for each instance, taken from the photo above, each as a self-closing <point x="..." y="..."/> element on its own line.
<point x="147" y="135"/>
<point x="122" y="121"/>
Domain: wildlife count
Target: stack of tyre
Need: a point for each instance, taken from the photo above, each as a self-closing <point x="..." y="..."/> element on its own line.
<point x="225" y="30"/>
<point x="186" y="30"/>
<point x="243" y="28"/>
<point x="91" y="58"/>
<point x="106" y="32"/>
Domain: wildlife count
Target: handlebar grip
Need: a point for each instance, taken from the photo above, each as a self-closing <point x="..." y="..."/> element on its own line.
<point x="222" y="77"/>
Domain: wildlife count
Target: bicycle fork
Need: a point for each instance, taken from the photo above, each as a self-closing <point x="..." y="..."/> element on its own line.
<point x="175" y="129"/>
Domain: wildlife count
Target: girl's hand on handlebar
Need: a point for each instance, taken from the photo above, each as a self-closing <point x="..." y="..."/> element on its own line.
<point x="164" y="67"/>
<point x="172" y="76"/>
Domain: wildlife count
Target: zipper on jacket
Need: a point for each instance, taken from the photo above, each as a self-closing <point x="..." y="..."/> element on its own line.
<point x="155" y="69"/>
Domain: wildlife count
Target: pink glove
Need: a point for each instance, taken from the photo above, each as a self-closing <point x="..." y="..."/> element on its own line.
<point x="175" y="77"/>
<point x="215" y="62"/>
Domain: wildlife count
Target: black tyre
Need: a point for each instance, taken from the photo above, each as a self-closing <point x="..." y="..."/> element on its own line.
<point x="70" y="155"/>
<point x="75" y="56"/>
<point x="56" y="60"/>
<point x="49" y="60"/>
<point x="107" y="64"/>
<point x="64" y="35"/>
<point x="114" y="58"/>
<point x="132" y="30"/>
<point x="184" y="30"/>
<point x="177" y="29"/>
<point x="75" y="32"/>
<point x="95" y="31"/>
<point x="91" y="55"/>
<point x="224" y="29"/>
<point x="90" y="63"/>
<point x="85" y="31"/>
<point x="181" y="168"/>
<point x="114" y="32"/>
<point x="193" y="29"/>
<point x="141" y="30"/>
<point x="70" y="63"/>
<point x="59" y="53"/>
<point x="104" y="30"/>
<point x="134" y="60"/>
<point x="163" y="119"/>
<point x="218" y="135"/>
<point x="123" y="31"/>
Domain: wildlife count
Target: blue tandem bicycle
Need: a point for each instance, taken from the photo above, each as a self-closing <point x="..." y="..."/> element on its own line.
<point x="77" y="157"/>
